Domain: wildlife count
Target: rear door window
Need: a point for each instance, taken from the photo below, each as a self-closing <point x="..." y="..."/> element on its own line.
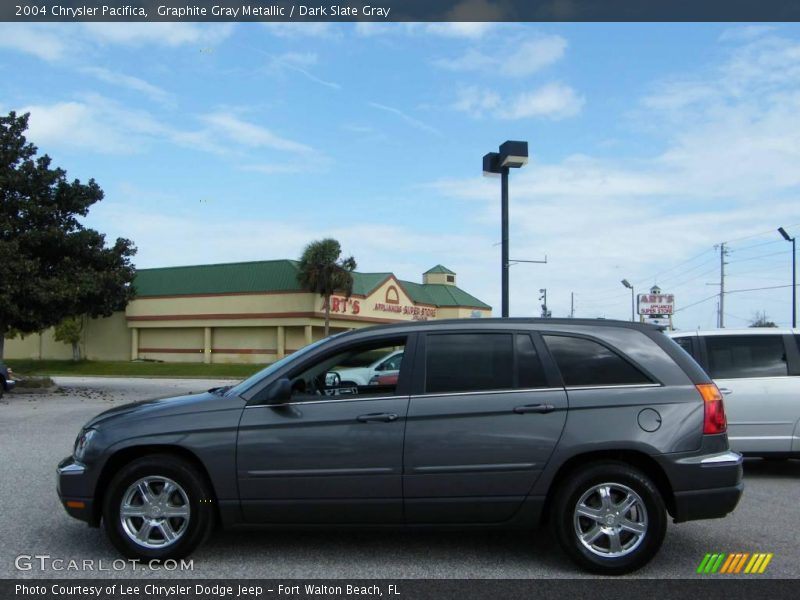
<point x="739" y="356"/>
<point x="584" y="362"/>
<point x="469" y="362"/>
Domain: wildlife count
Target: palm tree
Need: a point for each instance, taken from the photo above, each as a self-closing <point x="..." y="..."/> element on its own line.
<point x="323" y="271"/>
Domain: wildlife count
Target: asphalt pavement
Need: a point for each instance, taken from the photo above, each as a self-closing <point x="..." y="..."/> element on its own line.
<point x="36" y="431"/>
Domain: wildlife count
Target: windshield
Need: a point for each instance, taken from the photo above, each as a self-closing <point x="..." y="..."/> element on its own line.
<point x="245" y="385"/>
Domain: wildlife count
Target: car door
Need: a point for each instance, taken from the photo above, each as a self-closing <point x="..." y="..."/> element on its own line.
<point x="329" y="455"/>
<point x="482" y="423"/>
<point x="762" y="396"/>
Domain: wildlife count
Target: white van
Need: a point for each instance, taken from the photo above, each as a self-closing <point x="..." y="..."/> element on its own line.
<point x="758" y="372"/>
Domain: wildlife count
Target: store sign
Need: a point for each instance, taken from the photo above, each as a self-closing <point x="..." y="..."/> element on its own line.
<point x="417" y="313"/>
<point x="343" y="305"/>
<point x="656" y="304"/>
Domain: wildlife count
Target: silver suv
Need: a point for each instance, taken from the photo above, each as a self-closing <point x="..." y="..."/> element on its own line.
<point x="600" y="429"/>
<point x="758" y="372"/>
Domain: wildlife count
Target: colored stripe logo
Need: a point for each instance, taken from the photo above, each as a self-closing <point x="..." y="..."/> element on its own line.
<point x="735" y="563"/>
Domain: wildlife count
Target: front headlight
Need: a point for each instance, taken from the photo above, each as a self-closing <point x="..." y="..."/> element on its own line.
<point x="82" y="443"/>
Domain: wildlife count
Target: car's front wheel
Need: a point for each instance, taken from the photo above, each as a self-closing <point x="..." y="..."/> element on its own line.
<point x="158" y="507"/>
<point x="609" y="517"/>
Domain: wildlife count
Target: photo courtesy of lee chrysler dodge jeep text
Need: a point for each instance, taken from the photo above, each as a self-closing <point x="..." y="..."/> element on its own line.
<point x="600" y="429"/>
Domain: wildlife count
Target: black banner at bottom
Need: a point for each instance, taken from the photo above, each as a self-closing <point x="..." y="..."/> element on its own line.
<point x="398" y="589"/>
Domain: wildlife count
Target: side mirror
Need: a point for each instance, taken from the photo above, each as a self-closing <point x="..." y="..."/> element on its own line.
<point x="280" y="391"/>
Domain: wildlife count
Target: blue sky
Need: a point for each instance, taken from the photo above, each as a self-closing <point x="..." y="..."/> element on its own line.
<point x="650" y="144"/>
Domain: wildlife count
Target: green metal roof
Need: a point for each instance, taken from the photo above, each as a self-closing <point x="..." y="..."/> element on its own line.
<point x="439" y="269"/>
<point x="277" y="276"/>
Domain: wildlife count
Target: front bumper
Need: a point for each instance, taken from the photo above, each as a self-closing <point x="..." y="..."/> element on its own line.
<point x="73" y="491"/>
<point x="706" y="487"/>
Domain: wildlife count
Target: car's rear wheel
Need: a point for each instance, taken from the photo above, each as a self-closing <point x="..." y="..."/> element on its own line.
<point x="158" y="507"/>
<point x="609" y="518"/>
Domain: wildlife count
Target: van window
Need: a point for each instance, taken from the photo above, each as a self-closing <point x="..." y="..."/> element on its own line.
<point x="737" y="356"/>
<point x="469" y="362"/>
<point x="586" y="363"/>
<point x="686" y="344"/>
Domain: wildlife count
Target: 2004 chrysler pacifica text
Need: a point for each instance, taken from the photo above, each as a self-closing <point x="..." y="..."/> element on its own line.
<point x="599" y="428"/>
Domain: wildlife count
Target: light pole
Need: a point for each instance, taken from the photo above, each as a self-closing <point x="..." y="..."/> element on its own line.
<point x="512" y="155"/>
<point x="785" y="235"/>
<point x="628" y="285"/>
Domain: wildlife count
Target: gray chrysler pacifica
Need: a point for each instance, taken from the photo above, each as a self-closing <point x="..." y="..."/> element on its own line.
<point x="601" y="429"/>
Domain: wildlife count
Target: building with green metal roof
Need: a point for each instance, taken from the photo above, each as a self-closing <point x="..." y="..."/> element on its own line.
<point x="251" y="312"/>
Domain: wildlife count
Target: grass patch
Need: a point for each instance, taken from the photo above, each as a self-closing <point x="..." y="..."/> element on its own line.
<point x="27" y="368"/>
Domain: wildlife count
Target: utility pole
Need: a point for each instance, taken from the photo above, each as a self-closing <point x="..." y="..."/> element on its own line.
<point x="723" y="252"/>
<point x="545" y="312"/>
<point x="572" y="305"/>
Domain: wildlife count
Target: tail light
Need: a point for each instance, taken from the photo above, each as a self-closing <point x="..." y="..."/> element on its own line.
<point x="714" y="420"/>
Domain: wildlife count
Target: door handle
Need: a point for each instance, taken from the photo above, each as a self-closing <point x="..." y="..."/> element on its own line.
<point x="534" y="408"/>
<point x="725" y="391"/>
<point x="377" y="417"/>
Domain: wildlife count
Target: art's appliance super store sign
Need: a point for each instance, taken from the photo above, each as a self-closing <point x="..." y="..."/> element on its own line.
<point x="656" y="304"/>
<point x="417" y="313"/>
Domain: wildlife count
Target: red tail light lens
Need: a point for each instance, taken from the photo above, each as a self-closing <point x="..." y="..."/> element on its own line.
<point x="714" y="420"/>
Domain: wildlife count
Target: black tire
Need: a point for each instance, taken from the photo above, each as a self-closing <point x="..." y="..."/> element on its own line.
<point x="565" y="524"/>
<point x="197" y="492"/>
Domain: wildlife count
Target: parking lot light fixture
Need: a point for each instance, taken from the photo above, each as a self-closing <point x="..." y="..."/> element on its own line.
<point x="788" y="238"/>
<point x="628" y="285"/>
<point x="511" y="155"/>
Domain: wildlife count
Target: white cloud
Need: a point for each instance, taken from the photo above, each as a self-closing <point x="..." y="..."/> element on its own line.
<point x="470" y="30"/>
<point x="452" y="29"/>
<point x="416" y="123"/>
<point x="552" y="101"/>
<point x="92" y="123"/>
<point x="74" y="41"/>
<point x="300" y="63"/>
<point x="128" y="81"/>
<point x="517" y="58"/>
<point x="249" y="134"/>
<point x="304" y="29"/>
<point x="297" y="59"/>
<point x="95" y="123"/>
<point x="42" y="42"/>
<point x="159" y="33"/>
<point x="476" y="101"/>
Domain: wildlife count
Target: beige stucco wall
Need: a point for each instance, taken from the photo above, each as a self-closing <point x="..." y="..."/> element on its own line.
<point x="108" y="338"/>
<point x="174" y="329"/>
<point x="103" y="339"/>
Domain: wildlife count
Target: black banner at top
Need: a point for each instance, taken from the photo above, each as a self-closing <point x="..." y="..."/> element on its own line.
<point x="399" y="10"/>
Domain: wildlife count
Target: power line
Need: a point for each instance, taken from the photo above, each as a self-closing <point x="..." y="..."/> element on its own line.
<point x="747" y="237"/>
<point x="761" y="256"/>
<point x="770" y="287"/>
<point x="696" y="303"/>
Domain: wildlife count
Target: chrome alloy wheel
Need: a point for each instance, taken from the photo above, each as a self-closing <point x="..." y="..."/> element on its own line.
<point x="610" y="520"/>
<point x="154" y="512"/>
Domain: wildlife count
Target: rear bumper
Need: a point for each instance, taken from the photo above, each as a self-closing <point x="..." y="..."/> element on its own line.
<point x="10" y="384"/>
<point x="72" y="490"/>
<point x="706" y="487"/>
<point x="706" y="504"/>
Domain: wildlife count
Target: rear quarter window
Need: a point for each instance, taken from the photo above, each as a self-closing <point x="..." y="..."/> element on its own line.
<point x="584" y="362"/>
